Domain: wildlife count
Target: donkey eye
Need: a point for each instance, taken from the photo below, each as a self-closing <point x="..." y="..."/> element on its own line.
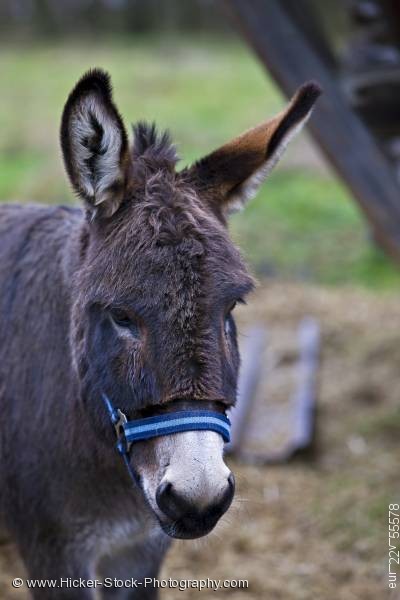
<point x="122" y="319"/>
<point x="232" y="307"/>
<point x="229" y="319"/>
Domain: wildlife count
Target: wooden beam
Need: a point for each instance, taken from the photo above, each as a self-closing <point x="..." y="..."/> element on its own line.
<point x="252" y="354"/>
<point x="342" y="137"/>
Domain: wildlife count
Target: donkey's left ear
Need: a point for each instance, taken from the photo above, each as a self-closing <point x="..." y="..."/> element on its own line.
<point x="94" y="144"/>
<point x="231" y="175"/>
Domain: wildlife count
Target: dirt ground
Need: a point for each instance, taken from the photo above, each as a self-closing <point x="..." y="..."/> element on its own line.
<point x="315" y="529"/>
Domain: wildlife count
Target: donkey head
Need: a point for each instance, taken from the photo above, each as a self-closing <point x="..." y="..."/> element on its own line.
<point x="156" y="281"/>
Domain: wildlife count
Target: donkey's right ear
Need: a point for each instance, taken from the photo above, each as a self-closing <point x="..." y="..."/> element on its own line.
<point x="94" y="144"/>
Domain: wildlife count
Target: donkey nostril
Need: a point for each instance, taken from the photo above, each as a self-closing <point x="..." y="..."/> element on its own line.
<point x="228" y="495"/>
<point x="168" y="502"/>
<point x="163" y="492"/>
<point x="165" y="487"/>
<point x="231" y="483"/>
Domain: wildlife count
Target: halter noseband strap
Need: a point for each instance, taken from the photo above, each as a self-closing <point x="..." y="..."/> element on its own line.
<point x="129" y="432"/>
<point x="175" y="422"/>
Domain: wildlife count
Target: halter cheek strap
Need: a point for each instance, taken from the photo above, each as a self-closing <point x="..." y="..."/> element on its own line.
<point x="128" y="432"/>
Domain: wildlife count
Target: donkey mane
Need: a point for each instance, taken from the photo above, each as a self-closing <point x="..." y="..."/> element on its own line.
<point x="165" y="201"/>
<point x="153" y="147"/>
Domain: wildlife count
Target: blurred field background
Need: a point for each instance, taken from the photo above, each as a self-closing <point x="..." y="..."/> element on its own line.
<point x="303" y="531"/>
<point x="206" y="87"/>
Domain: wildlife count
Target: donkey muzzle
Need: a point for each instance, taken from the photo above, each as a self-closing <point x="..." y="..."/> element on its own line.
<point x="186" y="518"/>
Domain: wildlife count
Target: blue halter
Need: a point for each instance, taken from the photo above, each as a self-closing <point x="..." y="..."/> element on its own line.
<point x="129" y="432"/>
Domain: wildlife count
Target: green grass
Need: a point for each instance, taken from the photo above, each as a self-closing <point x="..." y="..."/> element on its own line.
<point x="303" y="223"/>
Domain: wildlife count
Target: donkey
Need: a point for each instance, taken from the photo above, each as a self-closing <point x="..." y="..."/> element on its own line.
<point x="128" y="298"/>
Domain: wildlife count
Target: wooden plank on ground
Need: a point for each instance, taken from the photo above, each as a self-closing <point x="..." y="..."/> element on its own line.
<point x="352" y="151"/>
<point x="253" y="365"/>
<point x="274" y="418"/>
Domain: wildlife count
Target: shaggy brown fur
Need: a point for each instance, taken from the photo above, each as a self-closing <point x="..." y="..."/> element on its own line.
<point x="131" y="296"/>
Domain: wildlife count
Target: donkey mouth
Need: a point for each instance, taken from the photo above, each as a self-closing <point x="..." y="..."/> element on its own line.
<point x="189" y="528"/>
